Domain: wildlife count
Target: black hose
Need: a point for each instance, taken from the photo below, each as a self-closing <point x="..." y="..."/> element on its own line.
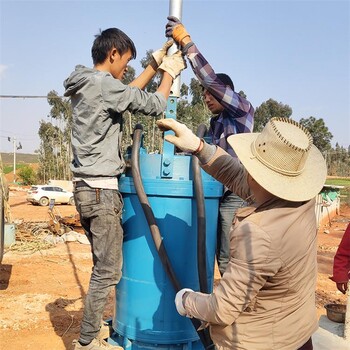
<point x="201" y="224"/>
<point x="157" y="239"/>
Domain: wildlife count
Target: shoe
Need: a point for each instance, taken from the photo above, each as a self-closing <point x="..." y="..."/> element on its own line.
<point x="105" y="331"/>
<point x="96" y="344"/>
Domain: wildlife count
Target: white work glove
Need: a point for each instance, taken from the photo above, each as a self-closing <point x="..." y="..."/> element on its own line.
<point x="173" y="64"/>
<point x="184" y="138"/>
<point x="178" y="301"/>
<point x="159" y="54"/>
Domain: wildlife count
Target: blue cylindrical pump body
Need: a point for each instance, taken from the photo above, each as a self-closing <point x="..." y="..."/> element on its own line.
<point x="145" y="315"/>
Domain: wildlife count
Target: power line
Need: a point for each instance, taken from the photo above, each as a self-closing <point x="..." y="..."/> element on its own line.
<point x="29" y="96"/>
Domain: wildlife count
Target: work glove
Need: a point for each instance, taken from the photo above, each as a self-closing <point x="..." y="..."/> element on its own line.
<point x="183" y="139"/>
<point x="175" y="29"/>
<point x="173" y="64"/>
<point x="159" y="54"/>
<point x="178" y="301"/>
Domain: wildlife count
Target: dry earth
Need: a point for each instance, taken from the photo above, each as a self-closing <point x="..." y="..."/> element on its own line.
<point x="42" y="290"/>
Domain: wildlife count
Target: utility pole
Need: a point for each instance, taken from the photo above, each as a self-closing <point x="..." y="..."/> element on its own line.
<point x="14" y="159"/>
<point x="15" y="148"/>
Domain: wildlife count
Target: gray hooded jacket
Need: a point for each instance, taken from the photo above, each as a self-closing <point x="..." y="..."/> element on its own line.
<point x="98" y="101"/>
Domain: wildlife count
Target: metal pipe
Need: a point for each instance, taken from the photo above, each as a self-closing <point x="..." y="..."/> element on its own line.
<point x="175" y="9"/>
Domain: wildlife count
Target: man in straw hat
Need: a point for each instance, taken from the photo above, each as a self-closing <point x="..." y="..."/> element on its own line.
<point x="266" y="297"/>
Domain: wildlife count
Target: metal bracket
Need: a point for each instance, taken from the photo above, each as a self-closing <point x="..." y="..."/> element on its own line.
<point x="168" y="148"/>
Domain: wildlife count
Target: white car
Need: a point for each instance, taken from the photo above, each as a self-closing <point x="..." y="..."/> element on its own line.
<point x="42" y="194"/>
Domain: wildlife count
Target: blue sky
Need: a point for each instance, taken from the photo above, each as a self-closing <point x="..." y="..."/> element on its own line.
<point x="296" y="52"/>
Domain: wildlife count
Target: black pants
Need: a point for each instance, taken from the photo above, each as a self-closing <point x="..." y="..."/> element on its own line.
<point x="307" y="345"/>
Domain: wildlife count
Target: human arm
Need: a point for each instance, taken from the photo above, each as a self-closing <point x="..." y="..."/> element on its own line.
<point x="238" y="107"/>
<point x="214" y="160"/>
<point x="251" y="265"/>
<point x="120" y="97"/>
<point x="145" y="77"/>
<point x="341" y="264"/>
<point x="165" y="85"/>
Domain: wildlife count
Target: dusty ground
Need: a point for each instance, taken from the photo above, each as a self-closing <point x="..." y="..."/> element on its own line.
<point x="42" y="290"/>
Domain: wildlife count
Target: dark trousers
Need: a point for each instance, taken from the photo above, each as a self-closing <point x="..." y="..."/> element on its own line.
<point x="228" y="206"/>
<point x="307" y="345"/>
<point x="100" y="215"/>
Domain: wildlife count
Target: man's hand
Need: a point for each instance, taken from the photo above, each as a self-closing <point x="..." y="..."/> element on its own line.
<point x="342" y="287"/>
<point x="175" y="29"/>
<point x="184" y="138"/>
<point x="173" y="64"/>
<point x="159" y="54"/>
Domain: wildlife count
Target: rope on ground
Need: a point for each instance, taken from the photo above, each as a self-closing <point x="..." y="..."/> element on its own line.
<point x="72" y="316"/>
<point x="32" y="237"/>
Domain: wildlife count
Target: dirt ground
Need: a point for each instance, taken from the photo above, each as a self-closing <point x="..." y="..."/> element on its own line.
<point x="42" y="290"/>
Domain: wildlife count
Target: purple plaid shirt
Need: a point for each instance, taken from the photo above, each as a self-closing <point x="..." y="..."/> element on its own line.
<point x="238" y="115"/>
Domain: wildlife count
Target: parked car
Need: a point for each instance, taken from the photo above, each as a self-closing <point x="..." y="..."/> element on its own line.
<point x="42" y="194"/>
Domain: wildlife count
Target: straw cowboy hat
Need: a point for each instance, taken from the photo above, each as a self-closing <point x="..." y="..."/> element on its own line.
<point x="282" y="159"/>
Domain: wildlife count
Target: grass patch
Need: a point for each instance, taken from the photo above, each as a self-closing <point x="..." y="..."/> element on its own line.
<point x="344" y="192"/>
<point x="9" y="168"/>
<point x="339" y="182"/>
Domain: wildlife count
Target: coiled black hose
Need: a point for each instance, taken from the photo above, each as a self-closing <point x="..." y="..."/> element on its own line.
<point x="203" y="334"/>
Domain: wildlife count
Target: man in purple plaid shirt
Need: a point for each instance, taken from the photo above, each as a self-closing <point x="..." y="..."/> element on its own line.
<point x="232" y="114"/>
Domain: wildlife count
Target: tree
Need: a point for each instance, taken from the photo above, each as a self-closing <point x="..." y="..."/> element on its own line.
<point x="196" y="91"/>
<point x="129" y="75"/>
<point x="184" y="90"/>
<point x="268" y="110"/>
<point x="321" y="135"/>
<point x="55" y="147"/>
<point x="27" y="175"/>
<point x="155" y="81"/>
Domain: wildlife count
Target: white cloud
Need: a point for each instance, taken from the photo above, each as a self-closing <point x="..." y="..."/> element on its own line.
<point x="2" y="70"/>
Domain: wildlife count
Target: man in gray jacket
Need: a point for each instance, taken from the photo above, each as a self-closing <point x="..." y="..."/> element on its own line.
<point x="266" y="298"/>
<point x="98" y="99"/>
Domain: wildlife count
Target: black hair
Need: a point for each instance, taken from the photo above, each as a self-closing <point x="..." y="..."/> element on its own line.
<point x="226" y="80"/>
<point x="109" y="39"/>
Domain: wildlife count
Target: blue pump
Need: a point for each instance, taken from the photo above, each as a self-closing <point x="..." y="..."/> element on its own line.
<point x="145" y="315"/>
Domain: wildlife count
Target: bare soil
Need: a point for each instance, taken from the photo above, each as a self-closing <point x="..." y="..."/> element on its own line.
<point x="42" y="289"/>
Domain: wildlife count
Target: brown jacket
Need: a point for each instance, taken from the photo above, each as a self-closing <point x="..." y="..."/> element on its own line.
<point x="266" y="298"/>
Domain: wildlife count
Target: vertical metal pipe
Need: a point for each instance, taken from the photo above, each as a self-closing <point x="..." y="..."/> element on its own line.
<point x="175" y="9"/>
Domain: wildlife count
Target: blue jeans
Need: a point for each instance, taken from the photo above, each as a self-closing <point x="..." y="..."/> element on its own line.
<point x="100" y="215"/>
<point x="229" y="203"/>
